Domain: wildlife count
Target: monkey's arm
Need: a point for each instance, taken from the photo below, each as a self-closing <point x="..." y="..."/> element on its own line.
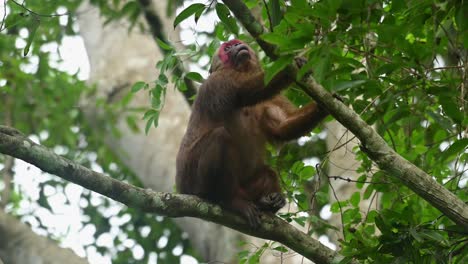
<point x="254" y="91"/>
<point x="295" y="124"/>
<point x="222" y="92"/>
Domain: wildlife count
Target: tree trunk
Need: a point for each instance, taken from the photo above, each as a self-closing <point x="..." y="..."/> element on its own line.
<point x="117" y="60"/>
<point x="342" y="163"/>
<point x="20" y="245"/>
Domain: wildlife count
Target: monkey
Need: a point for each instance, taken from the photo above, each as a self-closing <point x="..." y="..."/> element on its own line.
<point x="222" y="154"/>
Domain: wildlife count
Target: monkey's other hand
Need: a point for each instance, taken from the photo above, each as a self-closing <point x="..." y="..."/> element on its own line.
<point x="272" y="202"/>
<point x="300" y="61"/>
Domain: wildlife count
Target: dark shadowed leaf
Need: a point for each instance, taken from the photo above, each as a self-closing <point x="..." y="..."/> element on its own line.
<point x="276" y="67"/>
<point x="225" y="16"/>
<point x="187" y="12"/>
<point x="457" y="147"/>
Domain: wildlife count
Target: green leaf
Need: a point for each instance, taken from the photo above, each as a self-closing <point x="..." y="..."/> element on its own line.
<point x="457" y="147"/>
<point x="14" y="19"/>
<point x="243" y="255"/>
<point x="33" y="25"/>
<point x="307" y="172"/>
<point x="157" y="97"/>
<point x="131" y="122"/>
<point x="156" y="119"/>
<point x="192" y="9"/>
<point x="163" y="45"/>
<point x="194" y="76"/>
<point x="460" y="17"/>
<point x="138" y="86"/>
<point x="451" y="108"/>
<point x="274" y="38"/>
<point x="150" y="113"/>
<point x="275" y="12"/>
<point x="162" y="80"/>
<point x="340" y="86"/>
<point x="355" y="199"/>
<point x="281" y="249"/>
<point x="276" y="67"/>
<point x="255" y="258"/>
<point x="131" y="9"/>
<point x="198" y="14"/>
<point x="225" y="16"/>
<point x="335" y="207"/>
<point x="300" y="220"/>
<point x="433" y="235"/>
<point x="322" y="64"/>
<point x="302" y="200"/>
<point x="148" y="124"/>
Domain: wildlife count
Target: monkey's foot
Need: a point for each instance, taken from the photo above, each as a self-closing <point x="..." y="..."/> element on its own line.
<point x="272" y="202"/>
<point x="253" y="216"/>
<point x="248" y="210"/>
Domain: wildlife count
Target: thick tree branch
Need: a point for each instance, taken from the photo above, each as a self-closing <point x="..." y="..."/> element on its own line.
<point x="372" y="143"/>
<point x="15" y="144"/>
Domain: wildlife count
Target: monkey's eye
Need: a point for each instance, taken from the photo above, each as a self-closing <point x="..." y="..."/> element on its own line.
<point x="226" y="47"/>
<point x="237" y="44"/>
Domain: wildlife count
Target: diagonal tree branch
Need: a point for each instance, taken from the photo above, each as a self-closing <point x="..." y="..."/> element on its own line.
<point x="14" y="143"/>
<point x="372" y="143"/>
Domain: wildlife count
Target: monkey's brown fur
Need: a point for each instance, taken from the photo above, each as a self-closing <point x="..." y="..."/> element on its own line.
<point x="222" y="155"/>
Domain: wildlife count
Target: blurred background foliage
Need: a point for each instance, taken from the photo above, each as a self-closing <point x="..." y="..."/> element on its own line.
<point x="400" y="64"/>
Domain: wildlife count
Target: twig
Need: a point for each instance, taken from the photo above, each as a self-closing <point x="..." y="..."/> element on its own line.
<point x="39" y="14"/>
<point x="269" y="16"/>
<point x="4" y="15"/>
<point x="351" y="180"/>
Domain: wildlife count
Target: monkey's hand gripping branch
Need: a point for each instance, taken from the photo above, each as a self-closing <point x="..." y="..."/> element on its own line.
<point x="15" y="144"/>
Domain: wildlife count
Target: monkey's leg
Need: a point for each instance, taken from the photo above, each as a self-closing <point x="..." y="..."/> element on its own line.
<point x="219" y="166"/>
<point x="265" y="190"/>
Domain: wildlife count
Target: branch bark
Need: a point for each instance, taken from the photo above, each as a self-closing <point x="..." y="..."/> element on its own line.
<point x="14" y="143"/>
<point x="372" y="143"/>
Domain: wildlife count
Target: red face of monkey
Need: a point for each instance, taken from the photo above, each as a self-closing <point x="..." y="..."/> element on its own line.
<point x="235" y="54"/>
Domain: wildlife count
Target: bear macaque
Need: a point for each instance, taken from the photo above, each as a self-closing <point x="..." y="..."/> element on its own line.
<point x="222" y="155"/>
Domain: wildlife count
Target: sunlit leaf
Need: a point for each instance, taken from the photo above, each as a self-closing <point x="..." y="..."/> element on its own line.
<point x="138" y="86"/>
